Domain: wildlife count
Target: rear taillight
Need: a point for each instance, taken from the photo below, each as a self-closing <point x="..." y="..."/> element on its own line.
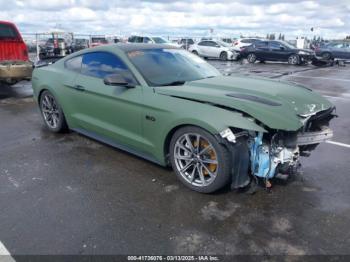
<point x="235" y="43"/>
<point x="24" y="52"/>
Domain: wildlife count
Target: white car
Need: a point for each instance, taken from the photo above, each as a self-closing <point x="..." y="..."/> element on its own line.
<point x="151" y="40"/>
<point x="242" y="42"/>
<point x="214" y="49"/>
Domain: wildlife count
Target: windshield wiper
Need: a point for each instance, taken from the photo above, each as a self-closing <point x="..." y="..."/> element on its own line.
<point x="174" y="83"/>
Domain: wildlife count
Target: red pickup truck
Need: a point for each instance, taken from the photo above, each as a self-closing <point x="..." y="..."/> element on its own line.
<point x="14" y="61"/>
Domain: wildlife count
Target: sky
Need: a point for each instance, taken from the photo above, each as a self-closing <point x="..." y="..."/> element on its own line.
<point x="329" y="18"/>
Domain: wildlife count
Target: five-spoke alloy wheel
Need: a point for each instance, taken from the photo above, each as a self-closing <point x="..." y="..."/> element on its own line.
<point x="199" y="160"/>
<point x="52" y="113"/>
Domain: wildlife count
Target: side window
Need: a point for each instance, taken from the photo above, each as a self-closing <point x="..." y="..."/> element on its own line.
<point x="147" y="40"/>
<point x="203" y="43"/>
<point x="101" y="64"/>
<point x="131" y="39"/>
<point x="275" y="45"/>
<point x="212" y="43"/>
<point x="261" y="44"/>
<point x="73" y="64"/>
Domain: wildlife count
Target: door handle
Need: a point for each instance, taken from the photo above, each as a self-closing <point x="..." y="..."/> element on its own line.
<point x="79" y="88"/>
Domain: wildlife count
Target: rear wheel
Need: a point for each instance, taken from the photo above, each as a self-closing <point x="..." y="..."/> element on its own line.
<point x="198" y="160"/>
<point x="194" y="52"/>
<point x="52" y="113"/>
<point x="251" y="58"/>
<point x="293" y="59"/>
<point x="223" y="56"/>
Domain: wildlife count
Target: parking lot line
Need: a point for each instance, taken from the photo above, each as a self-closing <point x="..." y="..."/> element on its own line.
<point x="338" y="143"/>
<point x="4" y="252"/>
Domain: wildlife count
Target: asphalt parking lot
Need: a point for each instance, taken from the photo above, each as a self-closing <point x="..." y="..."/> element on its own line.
<point x="67" y="194"/>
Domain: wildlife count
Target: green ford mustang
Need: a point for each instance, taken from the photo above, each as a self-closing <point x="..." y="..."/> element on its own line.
<point x="169" y="106"/>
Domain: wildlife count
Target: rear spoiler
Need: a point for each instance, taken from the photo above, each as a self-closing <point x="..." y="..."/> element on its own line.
<point x="47" y="61"/>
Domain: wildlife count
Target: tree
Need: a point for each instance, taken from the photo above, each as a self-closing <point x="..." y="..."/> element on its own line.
<point x="280" y="36"/>
<point x="267" y="36"/>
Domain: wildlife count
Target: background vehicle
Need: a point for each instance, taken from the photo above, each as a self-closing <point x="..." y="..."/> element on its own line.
<point x="227" y="40"/>
<point x="214" y="49"/>
<point x="276" y="51"/>
<point x="185" y="43"/>
<point x="334" y="50"/>
<point x="14" y="61"/>
<point x="98" y="41"/>
<point x="79" y="44"/>
<point x="151" y="40"/>
<point x="54" y="47"/>
<point x="169" y="106"/>
<point x="243" y="42"/>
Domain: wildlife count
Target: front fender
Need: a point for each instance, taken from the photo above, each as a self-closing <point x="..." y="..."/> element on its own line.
<point x="214" y="120"/>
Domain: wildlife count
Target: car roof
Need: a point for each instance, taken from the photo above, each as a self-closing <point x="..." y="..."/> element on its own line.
<point x="119" y="47"/>
<point x="140" y="46"/>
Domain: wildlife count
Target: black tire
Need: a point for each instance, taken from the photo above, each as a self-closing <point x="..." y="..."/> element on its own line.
<point x="326" y="55"/>
<point x="58" y="126"/>
<point x="294" y="59"/>
<point x="222" y="177"/>
<point x="251" y="58"/>
<point x="194" y="52"/>
<point x="223" y="56"/>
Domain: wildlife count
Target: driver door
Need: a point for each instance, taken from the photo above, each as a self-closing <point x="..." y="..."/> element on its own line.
<point x="277" y="52"/>
<point x="104" y="111"/>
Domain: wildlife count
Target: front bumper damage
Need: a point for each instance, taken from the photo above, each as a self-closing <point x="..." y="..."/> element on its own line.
<point x="275" y="153"/>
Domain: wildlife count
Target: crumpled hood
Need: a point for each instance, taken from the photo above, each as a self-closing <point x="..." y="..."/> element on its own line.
<point x="276" y="104"/>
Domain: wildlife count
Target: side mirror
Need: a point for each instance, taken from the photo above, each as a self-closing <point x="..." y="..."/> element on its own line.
<point x="118" y="80"/>
<point x="217" y="46"/>
<point x="282" y="48"/>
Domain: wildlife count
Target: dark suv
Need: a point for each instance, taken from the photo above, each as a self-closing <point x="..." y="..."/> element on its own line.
<point x="276" y="51"/>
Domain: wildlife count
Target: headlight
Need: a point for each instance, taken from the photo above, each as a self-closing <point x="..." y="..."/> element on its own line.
<point x="303" y="53"/>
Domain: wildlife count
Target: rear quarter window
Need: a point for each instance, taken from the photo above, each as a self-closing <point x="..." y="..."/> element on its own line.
<point x="8" y="32"/>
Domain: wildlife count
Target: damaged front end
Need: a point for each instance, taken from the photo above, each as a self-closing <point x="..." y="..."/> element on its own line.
<point x="275" y="153"/>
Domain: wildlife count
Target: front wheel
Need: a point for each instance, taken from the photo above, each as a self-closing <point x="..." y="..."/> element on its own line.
<point x="293" y="60"/>
<point x="52" y="113"/>
<point x="223" y="56"/>
<point x="251" y="58"/>
<point x="198" y="160"/>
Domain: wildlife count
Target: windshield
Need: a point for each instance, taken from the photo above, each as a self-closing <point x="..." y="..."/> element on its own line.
<point x="159" y="40"/>
<point x="162" y="67"/>
<point x="287" y="45"/>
